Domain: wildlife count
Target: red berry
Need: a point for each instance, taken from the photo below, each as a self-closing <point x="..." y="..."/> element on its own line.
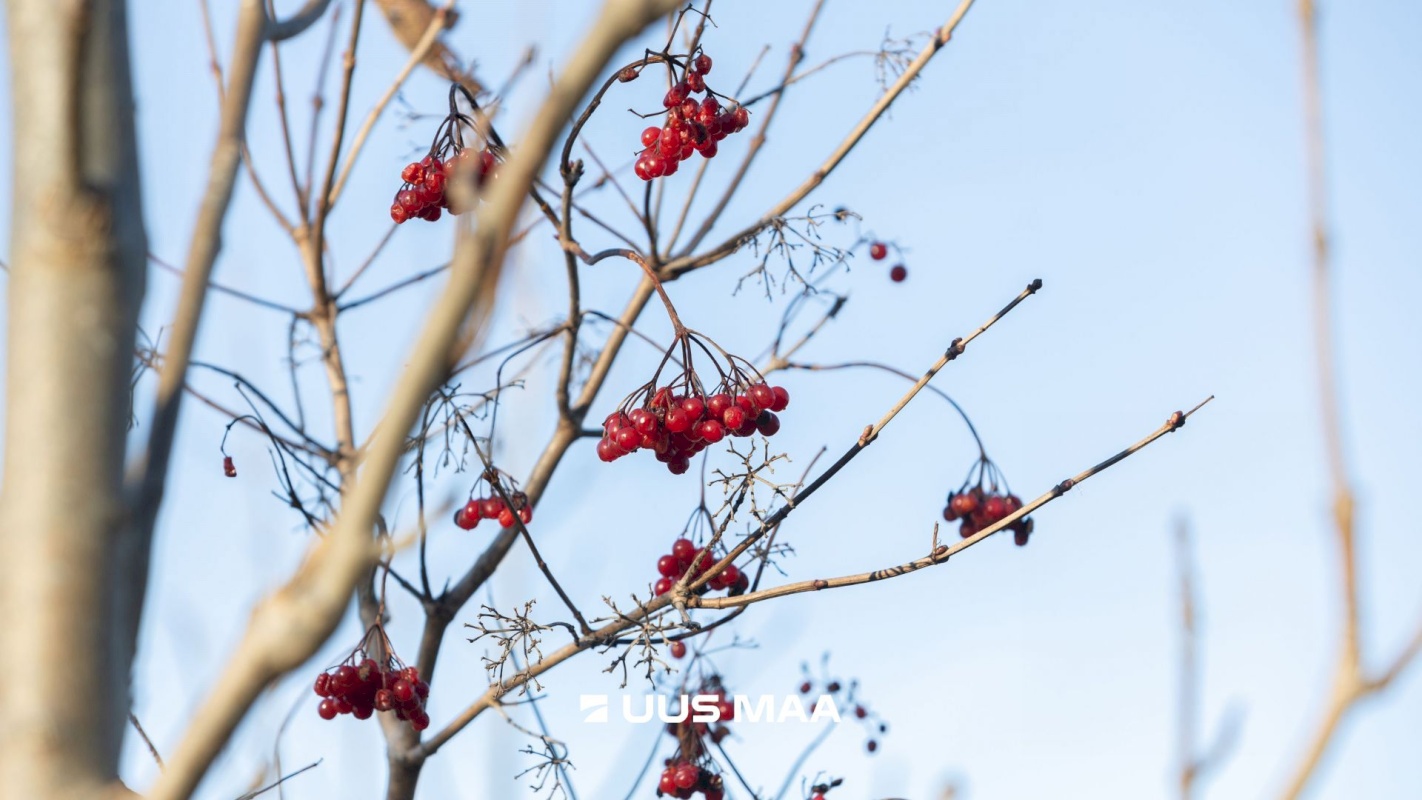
<point x="730" y="575"/>
<point x="398" y="213"/>
<point x="994" y="508"/>
<point x="805" y="687"/>
<point x="641" y="168"/>
<point x="871" y="746"/>
<point x="651" y="135"/>
<point x="860" y="712"/>
<point x="695" y="82"/>
<point x="708" y="111"/>
<point x="683" y="548"/>
<point x="493" y="507"/>
<point x="741" y="117"/>
<point x="679" y="465"/>
<point x="675" y="95"/>
<point x="782" y="398"/>
<point x="878" y="251"/>
<point x="403" y="691"/>
<point x="419" y="721"/>
<point x="726" y="710"/>
<point x="342" y="680"/>
<point x="667" y="784"/>
<point x="607" y="451"/>
<point x="711" y="431"/>
<point x="643" y="420"/>
<point x="228" y="467"/>
<point x="663" y="586"/>
<point x="702" y="64"/>
<point x="525" y="514"/>
<point x="964" y="503"/>
<point x="678" y="421"/>
<point x="686" y="775"/>
<point x="898" y="273"/>
<point x="767" y="423"/>
<point x="468" y="516"/>
<point x="323" y="685"/>
<point x="734" y="417"/>
<point x="666" y="567"/>
<point x="327" y="709"/>
<point x="949" y="515"/>
<point x="362" y="712"/>
<point x="384" y="700"/>
<point x="628" y="438"/>
<point x="762" y="395"/>
<point x="412" y="173"/>
<point x="506" y="518"/>
<point x="717" y="404"/>
<point x="694" y="407"/>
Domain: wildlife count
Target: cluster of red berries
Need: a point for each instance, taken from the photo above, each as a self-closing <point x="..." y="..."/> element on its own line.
<point x="684" y="557"/>
<point x="683" y="779"/>
<point x="879" y="251"/>
<point x="979" y="508"/>
<point x="691" y="126"/>
<point x="479" y="508"/>
<point x="684" y="775"/>
<point x="678" y="426"/>
<point x="362" y="686"/>
<point x="426" y="182"/>
<point x="868" y="719"/>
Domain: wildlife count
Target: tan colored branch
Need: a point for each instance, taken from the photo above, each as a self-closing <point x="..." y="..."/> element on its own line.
<point x="856" y="134"/>
<point x="287" y="627"/>
<point x="1352" y="681"/>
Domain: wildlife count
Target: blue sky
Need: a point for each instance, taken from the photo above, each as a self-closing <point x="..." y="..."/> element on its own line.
<point x="1144" y="160"/>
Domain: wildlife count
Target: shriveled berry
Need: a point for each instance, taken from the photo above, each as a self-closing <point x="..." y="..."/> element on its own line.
<point x="734" y="417"/>
<point x="702" y="64"/>
<point x="384" y="700"/>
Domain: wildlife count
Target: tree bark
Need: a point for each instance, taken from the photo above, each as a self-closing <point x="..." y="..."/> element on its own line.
<point x="75" y="286"/>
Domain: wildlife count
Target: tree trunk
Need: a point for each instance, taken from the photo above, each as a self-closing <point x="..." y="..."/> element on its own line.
<point x="75" y="286"/>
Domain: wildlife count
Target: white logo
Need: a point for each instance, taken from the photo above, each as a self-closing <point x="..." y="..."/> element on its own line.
<point x="705" y="708"/>
<point x="598" y="705"/>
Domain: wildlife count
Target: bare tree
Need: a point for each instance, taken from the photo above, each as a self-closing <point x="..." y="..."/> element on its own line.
<point x="79" y="511"/>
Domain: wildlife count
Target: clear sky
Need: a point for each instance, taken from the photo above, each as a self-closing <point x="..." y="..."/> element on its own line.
<point x="1143" y="159"/>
